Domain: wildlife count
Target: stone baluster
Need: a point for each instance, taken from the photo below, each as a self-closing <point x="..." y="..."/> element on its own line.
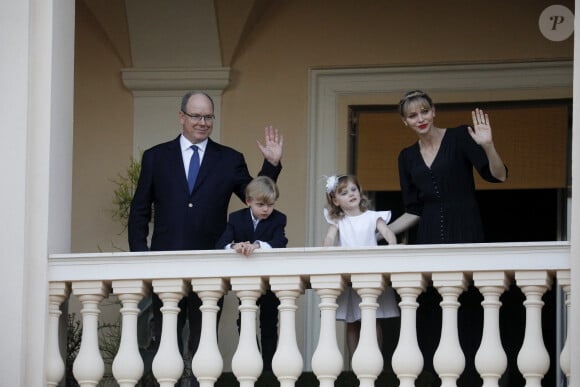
<point x="168" y="365"/>
<point x="89" y="367"/>
<point x="128" y="365"/>
<point x="490" y="360"/>
<point x="207" y="363"/>
<point x="367" y="359"/>
<point x="287" y="363"/>
<point x="533" y="358"/>
<point x="407" y="358"/>
<point x="327" y="359"/>
<point x="449" y="360"/>
<point x="55" y="368"/>
<point x="565" y="282"/>
<point x="247" y="360"/>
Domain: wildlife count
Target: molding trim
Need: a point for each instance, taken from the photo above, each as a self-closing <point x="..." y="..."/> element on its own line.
<point x="483" y="81"/>
<point x="174" y="81"/>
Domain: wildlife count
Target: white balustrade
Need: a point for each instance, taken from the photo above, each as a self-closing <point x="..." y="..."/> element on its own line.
<point x="207" y="363"/>
<point x="247" y="360"/>
<point x="168" y="364"/>
<point x="407" y="359"/>
<point x="55" y="367"/>
<point x="449" y="360"/>
<point x="533" y="359"/>
<point x="325" y="270"/>
<point x="490" y="360"/>
<point x="327" y="359"/>
<point x="89" y="367"/>
<point x="287" y="363"/>
<point x="565" y="358"/>
<point x="128" y="365"/>
<point x="367" y="359"/>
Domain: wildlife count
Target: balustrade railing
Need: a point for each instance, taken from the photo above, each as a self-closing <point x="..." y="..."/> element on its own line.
<point x="533" y="267"/>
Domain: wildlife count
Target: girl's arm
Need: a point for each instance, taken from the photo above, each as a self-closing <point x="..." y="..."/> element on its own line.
<point x="404" y="222"/>
<point x="386" y="232"/>
<point x="330" y="237"/>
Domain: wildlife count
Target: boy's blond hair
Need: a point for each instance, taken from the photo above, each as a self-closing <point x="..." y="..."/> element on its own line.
<point x="262" y="189"/>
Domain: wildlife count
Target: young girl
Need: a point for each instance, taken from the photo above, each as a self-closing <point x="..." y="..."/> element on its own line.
<point x="355" y="225"/>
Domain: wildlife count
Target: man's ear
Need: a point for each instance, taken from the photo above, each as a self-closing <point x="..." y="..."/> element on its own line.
<point x="248" y="201"/>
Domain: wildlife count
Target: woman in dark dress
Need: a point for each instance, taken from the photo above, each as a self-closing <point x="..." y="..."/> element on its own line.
<point x="436" y="176"/>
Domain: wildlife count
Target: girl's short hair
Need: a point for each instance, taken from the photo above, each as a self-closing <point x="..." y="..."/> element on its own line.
<point x="263" y="189"/>
<point x="339" y="183"/>
<point x="414" y="96"/>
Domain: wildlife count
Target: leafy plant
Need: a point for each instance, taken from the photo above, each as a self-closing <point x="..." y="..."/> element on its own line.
<point x="123" y="195"/>
<point x="109" y="341"/>
<point x="74" y="333"/>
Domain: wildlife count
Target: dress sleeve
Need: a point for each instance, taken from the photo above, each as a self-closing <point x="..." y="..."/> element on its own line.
<point x="409" y="190"/>
<point x="385" y="215"/>
<point x="476" y="155"/>
<point x="328" y="219"/>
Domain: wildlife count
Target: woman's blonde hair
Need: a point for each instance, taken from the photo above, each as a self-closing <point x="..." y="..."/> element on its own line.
<point x="414" y="96"/>
<point x="337" y="184"/>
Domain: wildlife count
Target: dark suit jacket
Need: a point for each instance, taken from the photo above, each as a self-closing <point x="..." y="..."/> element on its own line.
<point x="184" y="221"/>
<point x="240" y="228"/>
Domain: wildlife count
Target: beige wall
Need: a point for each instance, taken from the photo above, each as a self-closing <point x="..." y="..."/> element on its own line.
<point x="103" y="136"/>
<point x="269" y="84"/>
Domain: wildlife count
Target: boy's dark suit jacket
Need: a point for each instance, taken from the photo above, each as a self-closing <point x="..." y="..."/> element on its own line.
<point x="240" y="229"/>
<point x="184" y="220"/>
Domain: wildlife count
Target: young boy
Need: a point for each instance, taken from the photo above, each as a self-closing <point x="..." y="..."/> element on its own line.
<point x="255" y="227"/>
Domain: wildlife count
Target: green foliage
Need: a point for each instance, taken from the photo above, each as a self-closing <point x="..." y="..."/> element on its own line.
<point x="123" y="195"/>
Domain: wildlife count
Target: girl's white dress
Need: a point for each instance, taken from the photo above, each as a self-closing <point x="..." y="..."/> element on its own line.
<point x="360" y="231"/>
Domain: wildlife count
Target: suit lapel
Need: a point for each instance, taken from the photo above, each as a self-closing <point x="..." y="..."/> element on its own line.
<point x="248" y="224"/>
<point x="176" y="158"/>
<point x="262" y="226"/>
<point x="210" y="159"/>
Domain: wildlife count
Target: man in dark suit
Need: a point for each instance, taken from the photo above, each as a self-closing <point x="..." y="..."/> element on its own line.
<point x="191" y="218"/>
<point x="256" y="227"/>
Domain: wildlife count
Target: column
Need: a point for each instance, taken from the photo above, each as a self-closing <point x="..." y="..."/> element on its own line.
<point x="207" y="363"/>
<point x="89" y="367"/>
<point x="407" y="358"/>
<point x="449" y="360"/>
<point x="367" y="359"/>
<point x="55" y="367"/>
<point x="128" y="364"/>
<point x="247" y="360"/>
<point x="490" y="360"/>
<point x="533" y="359"/>
<point x="157" y="95"/>
<point x="287" y="363"/>
<point x="168" y="365"/>
<point x="327" y="359"/>
<point x="565" y="281"/>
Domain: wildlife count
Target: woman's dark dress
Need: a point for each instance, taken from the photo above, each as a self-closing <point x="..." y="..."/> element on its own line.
<point x="444" y="197"/>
